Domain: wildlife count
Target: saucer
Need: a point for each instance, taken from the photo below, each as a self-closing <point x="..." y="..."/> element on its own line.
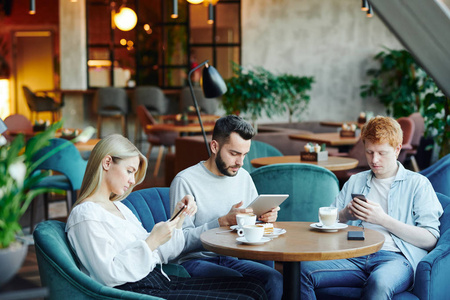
<point x="334" y="228"/>
<point x="263" y="240"/>
<point x="276" y="233"/>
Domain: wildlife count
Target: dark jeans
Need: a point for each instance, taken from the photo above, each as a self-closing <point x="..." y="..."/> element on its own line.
<point x="234" y="267"/>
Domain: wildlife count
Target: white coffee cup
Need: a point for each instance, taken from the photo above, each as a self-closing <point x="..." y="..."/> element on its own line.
<point x="245" y="219"/>
<point x="252" y="233"/>
<point x="328" y="216"/>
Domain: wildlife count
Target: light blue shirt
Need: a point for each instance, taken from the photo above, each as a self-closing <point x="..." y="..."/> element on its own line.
<point x="411" y="200"/>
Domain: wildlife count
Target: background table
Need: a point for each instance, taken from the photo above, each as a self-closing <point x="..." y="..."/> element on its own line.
<point x="190" y="128"/>
<point x="334" y="163"/>
<point x="299" y="243"/>
<point x="329" y="138"/>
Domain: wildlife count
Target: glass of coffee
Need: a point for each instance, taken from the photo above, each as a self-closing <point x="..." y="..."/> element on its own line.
<point x="328" y="216"/>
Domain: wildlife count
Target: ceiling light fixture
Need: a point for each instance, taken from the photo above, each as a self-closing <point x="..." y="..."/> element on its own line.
<point x="195" y="1"/>
<point x="365" y="5"/>
<point x="210" y="14"/>
<point x="32" y="7"/>
<point x="126" y="19"/>
<point x="369" y="12"/>
<point x="174" y="14"/>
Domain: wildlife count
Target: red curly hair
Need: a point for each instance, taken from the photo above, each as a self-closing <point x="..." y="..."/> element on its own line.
<point x="381" y="129"/>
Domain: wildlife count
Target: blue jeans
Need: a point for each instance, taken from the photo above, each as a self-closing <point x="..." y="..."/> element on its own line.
<point x="381" y="275"/>
<point x="231" y="266"/>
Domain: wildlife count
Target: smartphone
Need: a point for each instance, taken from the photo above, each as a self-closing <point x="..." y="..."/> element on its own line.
<point x="359" y="196"/>
<point x="178" y="213"/>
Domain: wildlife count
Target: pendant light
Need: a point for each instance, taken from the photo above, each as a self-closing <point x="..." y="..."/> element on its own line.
<point x="195" y="1"/>
<point x="174" y="14"/>
<point x="369" y="12"/>
<point x="125" y="19"/>
<point x="210" y="14"/>
<point x="32" y="7"/>
<point x="365" y="5"/>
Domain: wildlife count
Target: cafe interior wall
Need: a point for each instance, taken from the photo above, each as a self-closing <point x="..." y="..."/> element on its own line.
<point x="332" y="40"/>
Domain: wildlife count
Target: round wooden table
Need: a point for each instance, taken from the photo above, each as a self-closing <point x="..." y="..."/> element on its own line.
<point x="299" y="243"/>
<point x="334" y="163"/>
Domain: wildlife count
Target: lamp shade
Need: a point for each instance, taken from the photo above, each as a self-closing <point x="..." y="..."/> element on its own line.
<point x="3" y="126"/>
<point x="213" y="84"/>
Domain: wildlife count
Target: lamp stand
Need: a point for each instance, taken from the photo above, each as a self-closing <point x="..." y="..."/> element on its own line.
<point x="196" y="105"/>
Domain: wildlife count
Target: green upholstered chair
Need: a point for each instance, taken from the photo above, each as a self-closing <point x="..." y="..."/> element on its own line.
<point x="59" y="267"/>
<point x="259" y="149"/>
<point x="309" y="187"/>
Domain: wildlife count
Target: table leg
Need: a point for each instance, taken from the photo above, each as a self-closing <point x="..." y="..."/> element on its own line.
<point x="291" y="280"/>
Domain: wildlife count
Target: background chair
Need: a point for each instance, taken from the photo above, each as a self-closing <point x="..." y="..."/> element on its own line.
<point x="358" y="152"/>
<point x="309" y="187"/>
<point x="206" y="105"/>
<point x="59" y="268"/>
<point x="431" y="278"/>
<point x="153" y="98"/>
<point x="163" y="138"/>
<point x="417" y="142"/>
<point x="112" y="102"/>
<point x="259" y="149"/>
<point x="408" y="127"/>
<point x="71" y="166"/>
<point x="439" y="175"/>
<point x="17" y="123"/>
<point x="41" y="103"/>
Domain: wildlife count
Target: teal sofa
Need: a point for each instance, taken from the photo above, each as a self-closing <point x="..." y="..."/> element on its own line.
<point x="59" y="267"/>
<point x="432" y="274"/>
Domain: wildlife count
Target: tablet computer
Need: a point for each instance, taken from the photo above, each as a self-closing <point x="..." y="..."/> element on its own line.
<point x="264" y="203"/>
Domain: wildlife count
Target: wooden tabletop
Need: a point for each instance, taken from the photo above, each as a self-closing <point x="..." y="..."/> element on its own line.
<point x="329" y="138"/>
<point x="339" y="124"/>
<point x="87" y="146"/>
<point x="191" y="118"/>
<point x="334" y="163"/>
<point x="299" y="243"/>
<point x="194" y="127"/>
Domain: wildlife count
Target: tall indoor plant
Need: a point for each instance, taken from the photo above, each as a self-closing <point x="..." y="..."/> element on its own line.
<point x="404" y="88"/>
<point x="293" y="93"/>
<point x="17" y="167"/>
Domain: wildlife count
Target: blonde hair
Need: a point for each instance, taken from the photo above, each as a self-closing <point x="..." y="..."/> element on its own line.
<point x="117" y="147"/>
<point x="381" y="129"/>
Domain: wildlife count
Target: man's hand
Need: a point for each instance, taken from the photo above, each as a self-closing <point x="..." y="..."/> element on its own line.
<point x="270" y="216"/>
<point x="230" y="218"/>
<point x="367" y="211"/>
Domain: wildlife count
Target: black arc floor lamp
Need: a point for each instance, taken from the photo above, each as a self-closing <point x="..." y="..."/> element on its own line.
<point x="213" y="86"/>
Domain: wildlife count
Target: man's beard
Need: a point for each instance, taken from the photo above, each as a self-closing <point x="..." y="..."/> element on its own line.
<point x="222" y="167"/>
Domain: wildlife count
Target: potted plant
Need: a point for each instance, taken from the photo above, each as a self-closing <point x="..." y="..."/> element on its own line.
<point x="293" y="93"/>
<point x="252" y="91"/>
<point x="404" y="88"/>
<point x="16" y="191"/>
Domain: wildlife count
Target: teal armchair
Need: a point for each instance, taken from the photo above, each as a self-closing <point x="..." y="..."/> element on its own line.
<point x="309" y="187"/>
<point x="59" y="267"/>
<point x="259" y="149"/>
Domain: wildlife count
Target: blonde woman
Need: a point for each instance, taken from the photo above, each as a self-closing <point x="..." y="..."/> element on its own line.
<point x="117" y="251"/>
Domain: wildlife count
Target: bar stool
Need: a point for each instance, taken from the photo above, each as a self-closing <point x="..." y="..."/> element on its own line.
<point x="112" y="102"/>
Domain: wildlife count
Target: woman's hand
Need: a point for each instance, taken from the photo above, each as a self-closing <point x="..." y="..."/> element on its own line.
<point x="191" y="208"/>
<point x="160" y="234"/>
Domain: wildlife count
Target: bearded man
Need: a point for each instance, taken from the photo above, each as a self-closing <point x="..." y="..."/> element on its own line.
<point x="222" y="190"/>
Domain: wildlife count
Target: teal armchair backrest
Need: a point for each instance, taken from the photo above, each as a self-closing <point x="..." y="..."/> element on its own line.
<point x="309" y="187"/>
<point x="439" y="175"/>
<point x="259" y="149"/>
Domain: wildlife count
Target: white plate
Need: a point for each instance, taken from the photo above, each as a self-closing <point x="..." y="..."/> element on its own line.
<point x="276" y="232"/>
<point x="334" y="228"/>
<point x="263" y="240"/>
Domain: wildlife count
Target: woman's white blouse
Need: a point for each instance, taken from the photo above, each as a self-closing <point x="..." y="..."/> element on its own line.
<point x="113" y="250"/>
